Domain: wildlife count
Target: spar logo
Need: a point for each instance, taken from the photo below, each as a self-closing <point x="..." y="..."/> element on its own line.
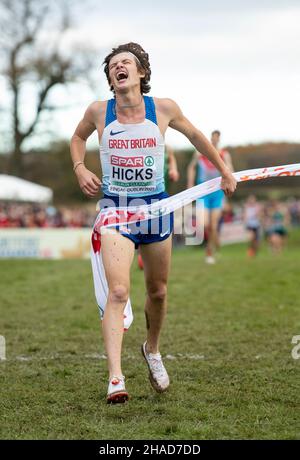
<point x="149" y="161"/>
<point x="128" y="162"/>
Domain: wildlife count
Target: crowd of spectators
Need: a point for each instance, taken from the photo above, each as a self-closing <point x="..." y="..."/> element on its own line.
<point x="291" y="208"/>
<point x="27" y="215"/>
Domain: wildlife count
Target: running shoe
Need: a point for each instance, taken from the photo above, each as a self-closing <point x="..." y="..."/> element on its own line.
<point x="210" y="260"/>
<point x="116" y="392"/>
<point x="158" y="375"/>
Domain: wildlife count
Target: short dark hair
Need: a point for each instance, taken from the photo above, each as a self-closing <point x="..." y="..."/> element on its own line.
<point x="216" y="131"/>
<point x="142" y="61"/>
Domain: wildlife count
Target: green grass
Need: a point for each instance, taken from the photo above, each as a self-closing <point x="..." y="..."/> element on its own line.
<point x="229" y="330"/>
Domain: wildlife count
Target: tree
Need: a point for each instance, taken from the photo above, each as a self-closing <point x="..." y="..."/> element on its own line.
<point x="31" y="37"/>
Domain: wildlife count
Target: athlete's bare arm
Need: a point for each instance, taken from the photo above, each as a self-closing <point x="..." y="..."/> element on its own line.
<point x="88" y="181"/>
<point x="191" y="170"/>
<point x="178" y="121"/>
<point x="172" y="165"/>
<point x="228" y="161"/>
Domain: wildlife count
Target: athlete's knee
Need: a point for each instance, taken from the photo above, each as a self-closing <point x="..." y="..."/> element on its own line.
<point x="118" y="293"/>
<point x="157" y="292"/>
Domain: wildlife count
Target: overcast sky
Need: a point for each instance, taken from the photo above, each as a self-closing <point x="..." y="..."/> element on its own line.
<point x="230" y="65"/>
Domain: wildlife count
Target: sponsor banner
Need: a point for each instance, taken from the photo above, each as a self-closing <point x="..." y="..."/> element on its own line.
<point x="56" y="243"/>
<point x="233" y="232"/>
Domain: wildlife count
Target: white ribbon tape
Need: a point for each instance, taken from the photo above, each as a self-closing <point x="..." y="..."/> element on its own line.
<point x="116" y="216"/>
<point x="123" y="215"/>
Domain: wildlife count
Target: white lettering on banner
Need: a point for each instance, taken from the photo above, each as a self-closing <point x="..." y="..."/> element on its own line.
<point x="17" y="243"/>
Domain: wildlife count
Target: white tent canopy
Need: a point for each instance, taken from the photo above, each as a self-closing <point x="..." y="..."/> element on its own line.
<point x="14" y="188"/>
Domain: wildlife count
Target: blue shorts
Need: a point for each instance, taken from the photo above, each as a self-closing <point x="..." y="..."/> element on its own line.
<point x="144" y="232"/>
<point x="212" y="201"/>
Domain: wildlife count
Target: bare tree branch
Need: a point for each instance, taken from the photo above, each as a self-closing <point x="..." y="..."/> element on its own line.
<point x="31" y="32"/>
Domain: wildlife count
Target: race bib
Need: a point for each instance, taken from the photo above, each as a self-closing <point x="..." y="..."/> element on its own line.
<point x="132" y="174"/>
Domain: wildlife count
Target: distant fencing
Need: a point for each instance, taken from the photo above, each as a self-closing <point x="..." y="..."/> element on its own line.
<point x="233" y="232"/>
<point x="56" y="243"/>
<point x="73" y="243"/>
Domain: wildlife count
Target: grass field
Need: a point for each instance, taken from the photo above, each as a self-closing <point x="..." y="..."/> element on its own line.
<point x="226" y="342"/>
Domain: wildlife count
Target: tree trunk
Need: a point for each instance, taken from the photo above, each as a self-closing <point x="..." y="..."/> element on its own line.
<point x="15" y="164"/>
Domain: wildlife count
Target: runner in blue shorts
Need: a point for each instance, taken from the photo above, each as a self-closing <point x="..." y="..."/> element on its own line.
<point x="214" y="200"/>
<point x="171" y="173"/>
<point x="144" y="232"/>
<point x="131" y="128"/>
<point x="202" y="170"/>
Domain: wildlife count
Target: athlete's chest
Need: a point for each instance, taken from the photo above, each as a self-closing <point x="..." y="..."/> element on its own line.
<point x="131" y="124"/>
<point x="132" y="157"/>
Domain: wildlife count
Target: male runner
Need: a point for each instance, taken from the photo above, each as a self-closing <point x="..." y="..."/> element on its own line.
<point x="252" y="216"/>
<point x="131" y="130"/>
<point x="171" y="173"/>
<point x="213" y="202"/>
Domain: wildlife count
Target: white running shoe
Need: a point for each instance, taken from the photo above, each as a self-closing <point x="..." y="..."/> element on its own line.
<point x="116" y="392"/>
<point x="210" y="260"/>
<point x="158" y="375"/>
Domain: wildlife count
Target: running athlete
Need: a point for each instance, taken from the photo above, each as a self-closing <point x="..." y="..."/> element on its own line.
<point x="131" y="129"/>
<point x="171" y="173"/>
<point x="252" y="218"/>
<point x="276" y="222"/>
<point x="213" y="202"/>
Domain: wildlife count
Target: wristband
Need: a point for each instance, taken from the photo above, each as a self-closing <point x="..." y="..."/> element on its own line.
<point x="77" y="163"/>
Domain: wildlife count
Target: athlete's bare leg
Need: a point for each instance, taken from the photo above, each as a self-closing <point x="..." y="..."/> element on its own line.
<point x="276" y="242"/>
<point x="253" y="243"/>
<point x="212" y="218"/>
<point x="156" y="258"/>
<point x="117" y="255"/>
<point x="215" y="219"/>
<point x="207" y="231"/>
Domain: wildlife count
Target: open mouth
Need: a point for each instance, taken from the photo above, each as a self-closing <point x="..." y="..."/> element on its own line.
<point x="122" y="76"/>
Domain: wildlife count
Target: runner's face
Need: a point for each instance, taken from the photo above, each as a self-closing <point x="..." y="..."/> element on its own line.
<point x="123" y="72"/>
<point x="215" y="139"/>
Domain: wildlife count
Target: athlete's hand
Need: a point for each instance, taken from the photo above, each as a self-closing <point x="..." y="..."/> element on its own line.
<point x="88" y="181"/>
<point x="228" y="183"/>
<point x="173" y="174"/>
